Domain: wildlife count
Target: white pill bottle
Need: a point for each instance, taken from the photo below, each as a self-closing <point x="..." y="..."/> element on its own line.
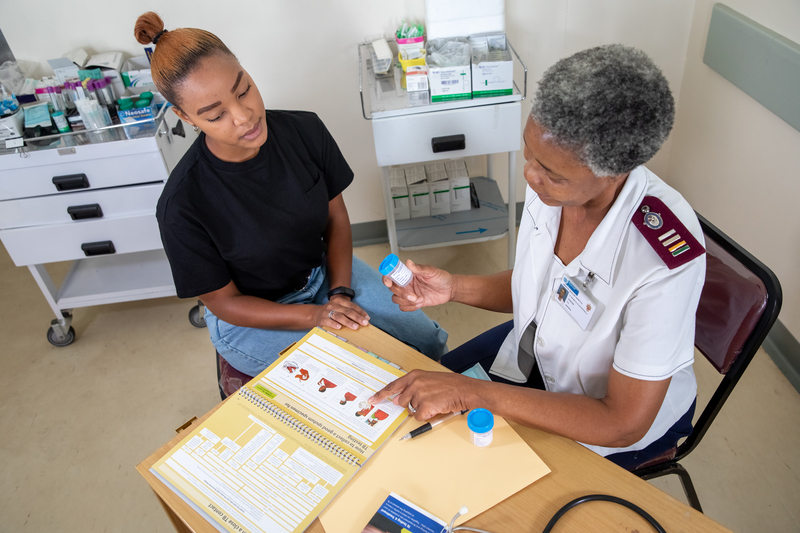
<point x="396" y="270"/>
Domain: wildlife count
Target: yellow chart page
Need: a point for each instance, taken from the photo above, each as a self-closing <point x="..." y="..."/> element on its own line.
<point x="249" y="472"/>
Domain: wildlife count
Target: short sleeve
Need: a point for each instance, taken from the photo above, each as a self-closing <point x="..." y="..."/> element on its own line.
<point x="338" y="174"/>
<point x="197" y="267"/>
<point x="657" y="335"/>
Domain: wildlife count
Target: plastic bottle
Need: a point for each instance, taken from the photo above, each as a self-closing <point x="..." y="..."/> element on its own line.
<point x="61" y="122"/>
<point x="480" y="422"/>
<point x="399" y="273"/>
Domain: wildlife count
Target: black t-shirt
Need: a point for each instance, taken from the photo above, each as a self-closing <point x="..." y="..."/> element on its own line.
<point x="259" y="223"/>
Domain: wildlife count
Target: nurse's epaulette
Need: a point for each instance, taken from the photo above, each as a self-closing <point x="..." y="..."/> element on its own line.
<point x="673" y="243"/>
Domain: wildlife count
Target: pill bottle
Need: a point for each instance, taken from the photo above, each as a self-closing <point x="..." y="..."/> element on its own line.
<point x="396" y="270"/>
<point x="480" y="422"/>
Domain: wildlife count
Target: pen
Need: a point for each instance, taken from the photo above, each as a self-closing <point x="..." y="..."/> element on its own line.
<point x="430" y="425"/>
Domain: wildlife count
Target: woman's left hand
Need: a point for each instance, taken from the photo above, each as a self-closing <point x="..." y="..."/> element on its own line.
<point x="431" y="393"/>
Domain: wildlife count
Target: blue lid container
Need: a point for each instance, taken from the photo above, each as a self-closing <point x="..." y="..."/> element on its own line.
<point x="388" y="264"/>
<point x="480" y="420"/>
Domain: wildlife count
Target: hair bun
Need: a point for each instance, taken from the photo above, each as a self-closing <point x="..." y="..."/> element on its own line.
<point x="149" y="28"/>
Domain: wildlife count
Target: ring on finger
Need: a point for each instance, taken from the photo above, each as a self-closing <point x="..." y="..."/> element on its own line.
<point x="411" y="408"/>
<point x="330" y="315"/>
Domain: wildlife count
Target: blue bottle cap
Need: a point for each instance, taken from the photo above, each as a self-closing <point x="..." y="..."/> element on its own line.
<point x="480" y="420"/>
<point x="388" y="264"/>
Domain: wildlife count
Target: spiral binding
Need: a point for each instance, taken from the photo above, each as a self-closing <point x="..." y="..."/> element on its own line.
<point x="298" y="426"/>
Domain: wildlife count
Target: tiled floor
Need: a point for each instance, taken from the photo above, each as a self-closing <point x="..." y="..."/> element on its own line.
<point x="75" y="421"/>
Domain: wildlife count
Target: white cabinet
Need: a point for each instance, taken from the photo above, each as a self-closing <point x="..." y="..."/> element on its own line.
<point x="406" y="126"/>
<point x="67" y="198"/>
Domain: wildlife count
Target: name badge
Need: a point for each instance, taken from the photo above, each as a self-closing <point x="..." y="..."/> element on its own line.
<point x="576" y="301"/>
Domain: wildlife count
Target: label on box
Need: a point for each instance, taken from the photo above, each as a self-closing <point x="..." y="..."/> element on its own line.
<point x="492" y="78"/>
<point x="419" y="200"/>
<point x="450" y="83"/>
<point x="459" y="194"/>
<point x="440" y="198"/>
<point x="417" y="78"/>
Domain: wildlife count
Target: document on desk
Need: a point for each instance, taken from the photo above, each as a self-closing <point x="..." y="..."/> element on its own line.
<point x="440" y="471"/>
<point x="275" y="454"/>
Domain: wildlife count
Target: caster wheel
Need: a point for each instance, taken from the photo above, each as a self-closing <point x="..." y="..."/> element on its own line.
<point x="53" y="339"/>
<point x="196" y="318"/>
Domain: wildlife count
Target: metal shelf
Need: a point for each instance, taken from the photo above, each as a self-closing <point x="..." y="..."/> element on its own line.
<point x="487" y="223"/>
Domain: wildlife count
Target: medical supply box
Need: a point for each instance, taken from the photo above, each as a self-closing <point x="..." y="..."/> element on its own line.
<point x="399" y="191"/>
<point x="459" y="185"/>
<point x="492" y="65"/>
<point x="448" y="82"/>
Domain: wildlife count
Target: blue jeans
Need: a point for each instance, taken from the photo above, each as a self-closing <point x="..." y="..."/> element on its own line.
<point x="251" y="350"/>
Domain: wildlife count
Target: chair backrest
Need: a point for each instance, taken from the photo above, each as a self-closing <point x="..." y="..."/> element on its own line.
<point x="740" y="302"/>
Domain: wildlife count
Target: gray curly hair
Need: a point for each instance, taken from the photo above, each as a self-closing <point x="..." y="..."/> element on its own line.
<point x="610" y="105"/>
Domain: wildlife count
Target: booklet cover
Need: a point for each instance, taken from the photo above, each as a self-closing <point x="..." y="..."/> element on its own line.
<point x="397" y="515"/>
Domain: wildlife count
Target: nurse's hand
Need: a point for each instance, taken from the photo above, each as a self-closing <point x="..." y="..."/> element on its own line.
<point x="430" y="286"/>
<point x="340" y="311"/>
<point x="431" y="393"/>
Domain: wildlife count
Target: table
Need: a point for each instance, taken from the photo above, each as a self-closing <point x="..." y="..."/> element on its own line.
<point x="575" y="471"/>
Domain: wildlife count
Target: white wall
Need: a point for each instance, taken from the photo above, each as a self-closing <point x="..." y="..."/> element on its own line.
<point x="302" y="53"/>
<point x="736" y="162"/>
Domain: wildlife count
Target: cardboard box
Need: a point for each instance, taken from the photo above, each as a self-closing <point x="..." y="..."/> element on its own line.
<point x="449" y="83"/>
<point x="417" y="78"/>
<point x="415" y="174"/>
<point x="136" y="75"/>
<point x="440" y="196"/>
<point x="64" y="68"/>
<point x="436" y="166"/>
<point x="399" y="191"/>
<point x="419" y="194"/>
<point x="132" y="116"/>
<point x="492" y="66"/>
<point x="459" y="191"/>
<point x="454" y="164"/>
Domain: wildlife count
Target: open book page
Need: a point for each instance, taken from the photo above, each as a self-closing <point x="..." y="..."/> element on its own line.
<point x="248" y="472"/>
<point x="325" y="382"/>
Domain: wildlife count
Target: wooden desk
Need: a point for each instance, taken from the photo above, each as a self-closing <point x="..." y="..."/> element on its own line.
<point x="576" y="472"/>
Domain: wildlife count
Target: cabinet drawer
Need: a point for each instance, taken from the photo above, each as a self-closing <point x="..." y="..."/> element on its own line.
<point x="487" y="130"/>
<point x="55" y="209"/>
<point x="62" y="242"/>
<point x="31" y="181"/>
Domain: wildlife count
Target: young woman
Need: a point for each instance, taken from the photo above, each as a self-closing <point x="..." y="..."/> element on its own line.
<point x="252" y="218"/>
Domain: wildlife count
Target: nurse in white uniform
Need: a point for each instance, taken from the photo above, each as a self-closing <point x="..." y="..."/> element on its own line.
<point x="610" y="266"/>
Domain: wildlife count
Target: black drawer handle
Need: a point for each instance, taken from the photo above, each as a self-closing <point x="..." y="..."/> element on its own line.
<point x="70" y="182"/>
<point x="81" y="212"/>
<point x="448" y="143"/>
<point x="98" y="248"/>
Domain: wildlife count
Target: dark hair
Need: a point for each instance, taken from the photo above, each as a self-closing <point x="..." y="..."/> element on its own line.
<point x="610" y="105"/>
<point x="177" y="52"/>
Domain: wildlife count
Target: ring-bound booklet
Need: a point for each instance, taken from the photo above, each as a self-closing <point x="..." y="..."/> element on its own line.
<point x="273" y="456"/>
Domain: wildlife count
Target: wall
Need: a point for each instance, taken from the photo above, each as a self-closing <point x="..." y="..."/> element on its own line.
<point x="302" y="53"/>
<point x="736" y="162"/>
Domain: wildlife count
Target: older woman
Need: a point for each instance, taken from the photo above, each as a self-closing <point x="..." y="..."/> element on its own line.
<point x="252" y="218"/>
<point x="609" y="271"/>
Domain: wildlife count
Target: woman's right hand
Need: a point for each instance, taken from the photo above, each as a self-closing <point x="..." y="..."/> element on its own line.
<point x="430" y="286"/>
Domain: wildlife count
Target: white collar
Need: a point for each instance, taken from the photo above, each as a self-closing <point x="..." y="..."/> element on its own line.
<point x="601" y="252"/>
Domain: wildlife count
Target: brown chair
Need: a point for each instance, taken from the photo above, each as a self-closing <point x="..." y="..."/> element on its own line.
<point x="229" y="379"/>
<point x="740" y="302"/>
